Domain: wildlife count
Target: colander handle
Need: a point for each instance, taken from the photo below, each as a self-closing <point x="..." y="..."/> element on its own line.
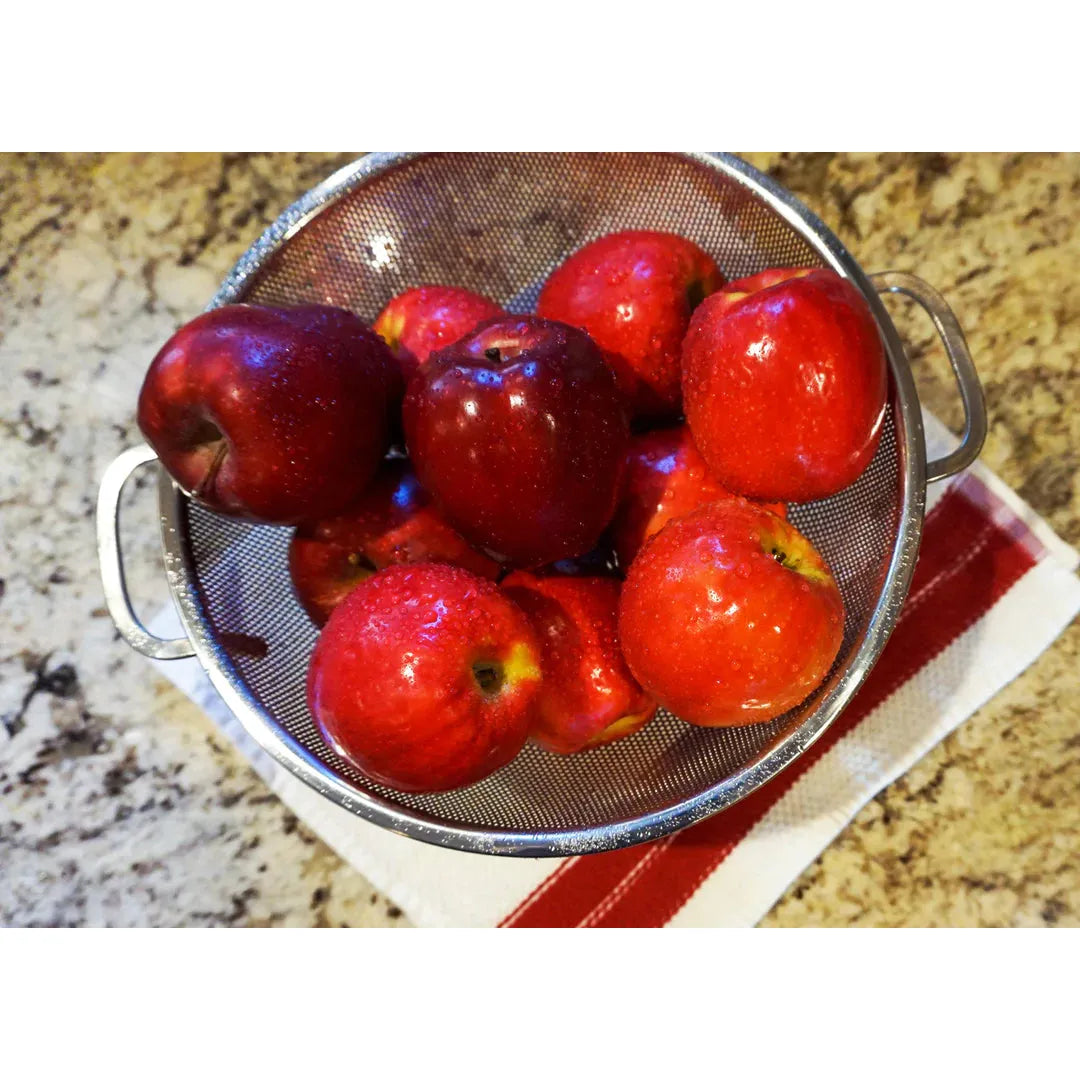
<point x="952" y="337"/>
<point x="112" y="565"/>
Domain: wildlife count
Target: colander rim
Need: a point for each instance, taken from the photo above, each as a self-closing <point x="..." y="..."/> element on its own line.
<point x="290" y="754"/>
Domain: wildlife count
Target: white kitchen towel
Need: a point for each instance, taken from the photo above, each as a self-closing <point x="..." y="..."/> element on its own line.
<point x="993" y="587"/>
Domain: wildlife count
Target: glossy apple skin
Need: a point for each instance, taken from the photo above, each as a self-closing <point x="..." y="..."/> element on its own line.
<point x="347" y="326"/>
<point x="418" y="321"/>
<point x="392" y="684"/>
<point x="522" y="453"/>
<point x="665" y="478"/>
<point x="717" y="629"/>
<point x="588" y="696"/>
<point x="276" y="415"/>
<point x="784" y="384"/>
<point x="392" y="522"/>
<point x="633" y="292"/>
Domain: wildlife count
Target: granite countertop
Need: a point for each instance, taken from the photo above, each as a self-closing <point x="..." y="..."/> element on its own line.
<point x="121" y="804"/>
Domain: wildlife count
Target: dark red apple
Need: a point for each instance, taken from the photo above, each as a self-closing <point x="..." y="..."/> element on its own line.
<point x="519" y="433"/>
<point x="633" y="292"/>
<point x="273" y="414"/>
<point x="665" y="479"/>
<point x="418" y="321"/>
<point x="392" y="522"/>
<point x="730" y="616"/>
<point x="425" y="678"/>
<point x="342" y="325"/>
<point x="784" y="384"/>
<point x="588" y="696"/>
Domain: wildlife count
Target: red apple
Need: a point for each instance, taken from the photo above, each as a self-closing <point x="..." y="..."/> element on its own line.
<point x="272" y="414"/>
<point x="665" y="479"/>
<point x="425" y="678"/>
<point x="588" y="696"/>
<point x="729" y="616"/>
<point x="339" y="324"/>
<point x="393" y="521"/>
<point x="418" y="321"/>
<point x="633" y="292"/>
<point x="519" y="433"/>
<point x="784" y="384"/>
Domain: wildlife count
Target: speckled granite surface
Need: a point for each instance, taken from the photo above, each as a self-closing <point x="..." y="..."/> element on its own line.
<point x="119" y="802"/>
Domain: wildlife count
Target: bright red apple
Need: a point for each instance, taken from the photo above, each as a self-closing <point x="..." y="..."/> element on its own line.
<point x="272" y="414"/>
<point x="633" y="292"/>
<point x="519" y="433"/>
<point x="665" y="479"/>
<point x="418" y="321"/>
<point x="730" y="616"/>
<point x="588" y="696"/>
<point x="392" y="522"/>
<point x="784" y="384"/>
<point x="425" y="678"/>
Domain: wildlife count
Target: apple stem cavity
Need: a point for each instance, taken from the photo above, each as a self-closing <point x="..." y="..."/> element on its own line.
<point x="360" y="561"/>
<point x="207" y="482"/>
<point x="785" y="560"/>
<point x="493" y="354"/>
<point x="489" y="676"/>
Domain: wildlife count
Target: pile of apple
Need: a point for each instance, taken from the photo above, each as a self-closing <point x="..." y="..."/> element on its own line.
<point x="588" y="519"/>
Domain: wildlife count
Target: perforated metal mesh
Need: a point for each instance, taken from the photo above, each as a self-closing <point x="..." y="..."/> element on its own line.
<point x="500" y="224"/>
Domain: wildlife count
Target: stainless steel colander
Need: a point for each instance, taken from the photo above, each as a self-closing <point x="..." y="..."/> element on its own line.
<point x="499" y="223"/>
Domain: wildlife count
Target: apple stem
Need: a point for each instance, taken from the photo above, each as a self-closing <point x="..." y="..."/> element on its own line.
<point x="207" y="481"/>
<point x="782" y="558"/>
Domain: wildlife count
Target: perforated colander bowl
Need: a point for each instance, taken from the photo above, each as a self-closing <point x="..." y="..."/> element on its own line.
<point x="499" y="223"/>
